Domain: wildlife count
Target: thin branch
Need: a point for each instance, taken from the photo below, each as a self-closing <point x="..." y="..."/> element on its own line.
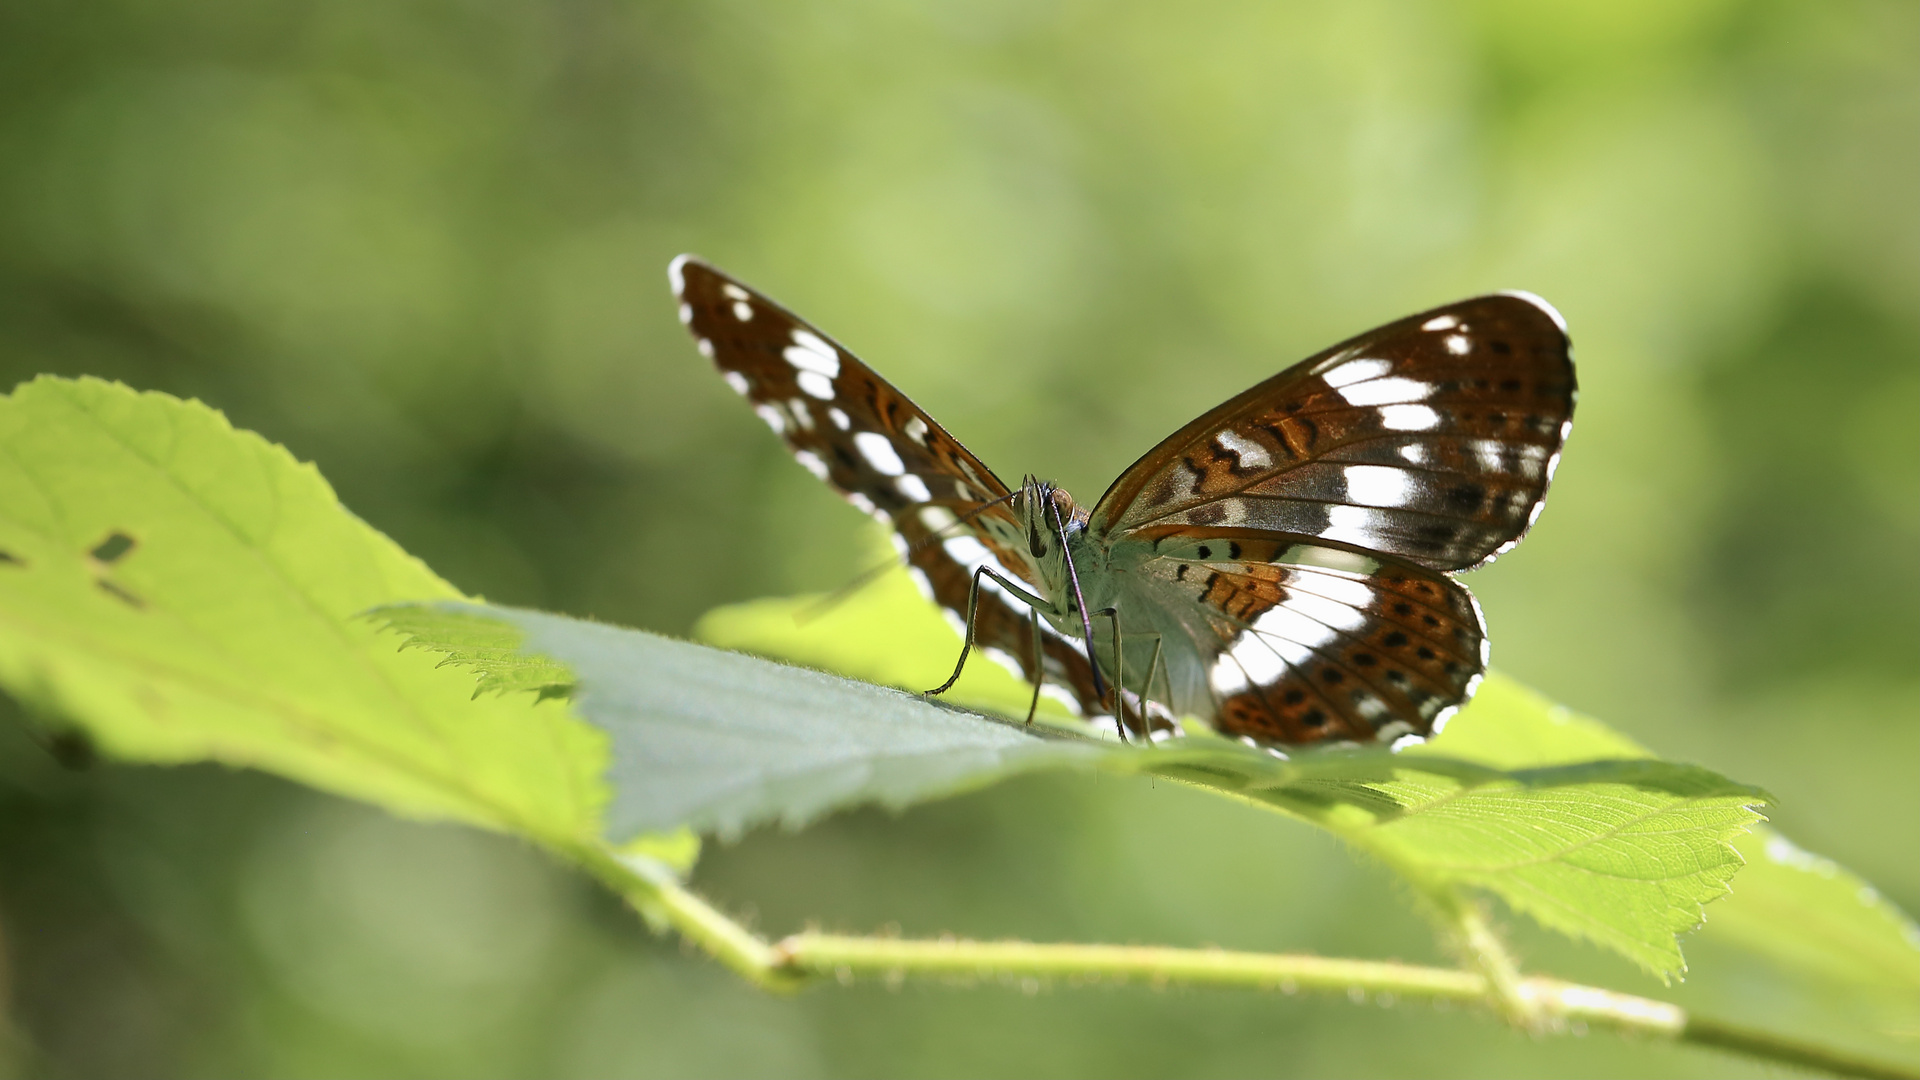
<point x="1770" y="1047"/>
<point x="858" y="957"/>
<point x="1536" y="1002"/>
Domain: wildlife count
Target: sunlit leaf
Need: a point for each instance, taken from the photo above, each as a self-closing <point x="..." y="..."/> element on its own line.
<point x="177" y="591"/>
<point x="1556" y="814"/>
<point x="1621" y="852"/>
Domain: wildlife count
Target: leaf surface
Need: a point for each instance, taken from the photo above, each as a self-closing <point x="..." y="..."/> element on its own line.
<point x="1622" y="851"/>
<point x="1558" y="815"/>
<point x="182" y="591"/>
<point x="721" y="741"/>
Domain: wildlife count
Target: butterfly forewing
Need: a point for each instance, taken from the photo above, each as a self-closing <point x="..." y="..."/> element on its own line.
<point x="1431" y="439"/>
<point x="853" y="429"/>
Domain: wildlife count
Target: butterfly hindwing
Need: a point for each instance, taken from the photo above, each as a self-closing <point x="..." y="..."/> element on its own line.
<point x="853" y="429"/>
<point x="1301" y="643"/>
<point x="1431" y="439"/>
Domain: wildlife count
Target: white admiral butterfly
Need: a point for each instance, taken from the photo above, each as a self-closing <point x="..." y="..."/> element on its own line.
<point x="1280" y="567"/>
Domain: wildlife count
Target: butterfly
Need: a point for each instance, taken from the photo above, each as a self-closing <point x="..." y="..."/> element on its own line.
<point x="1280" y="568"/>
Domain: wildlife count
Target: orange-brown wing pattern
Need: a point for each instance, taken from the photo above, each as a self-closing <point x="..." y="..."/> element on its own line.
<point x="1305" y="644"/>
<point x="1431" y="439"/>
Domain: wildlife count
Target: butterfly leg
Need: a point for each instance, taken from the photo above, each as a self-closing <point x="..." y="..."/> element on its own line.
<point x="973" y="610"/>
<point x="1146" y="691"/>
<point x="1039" y="663"/>
<point x="1119" y="674"/>
<point x="1155" y="665"/>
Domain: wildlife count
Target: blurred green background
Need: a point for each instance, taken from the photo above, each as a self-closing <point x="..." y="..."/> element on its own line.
<point x="423" y="244"/>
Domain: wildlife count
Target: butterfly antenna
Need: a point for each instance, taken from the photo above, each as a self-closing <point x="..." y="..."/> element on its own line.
<point x="1086" y="621"/>
<point x="873" y="573"/>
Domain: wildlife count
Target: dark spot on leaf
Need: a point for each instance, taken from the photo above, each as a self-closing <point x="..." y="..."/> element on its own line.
<point x="120" y="594"/>
<point x="115" y="546"/>
<point x="8" y="558"/>
<point x="71" y="749"/>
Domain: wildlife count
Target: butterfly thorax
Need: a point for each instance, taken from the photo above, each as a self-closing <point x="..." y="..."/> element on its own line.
<point x="1079" y="567"/>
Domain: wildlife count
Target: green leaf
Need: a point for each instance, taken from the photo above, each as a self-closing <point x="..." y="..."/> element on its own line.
<point x="182" y="591"/>
<point x="1844" y="929"/>
<point x="720" y="741"/>
<point x="1558" y="815"/>
<point x="1621" y="852"/>
<point x="489" y="646"/>
<point x="1851" y="958"/>
<point x="885" y="633"/>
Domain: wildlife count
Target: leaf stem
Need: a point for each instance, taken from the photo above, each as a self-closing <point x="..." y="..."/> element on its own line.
<point x="1479" y="944"/>
<point x="855" y="957"/>
<point x="655" y="891"/>
<point x="1550" y="1005"/>
<point x="1537" y="1003"/>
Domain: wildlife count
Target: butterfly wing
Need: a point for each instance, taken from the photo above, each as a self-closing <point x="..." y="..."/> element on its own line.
<point x="853" y="429"/>
<point x="1297" y="539"/>
<point x="1290" y="642"/>
<point x="1431" y="439"/>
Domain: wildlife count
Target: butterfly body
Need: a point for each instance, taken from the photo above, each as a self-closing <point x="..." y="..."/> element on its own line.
<point x="1279" y="567"/>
